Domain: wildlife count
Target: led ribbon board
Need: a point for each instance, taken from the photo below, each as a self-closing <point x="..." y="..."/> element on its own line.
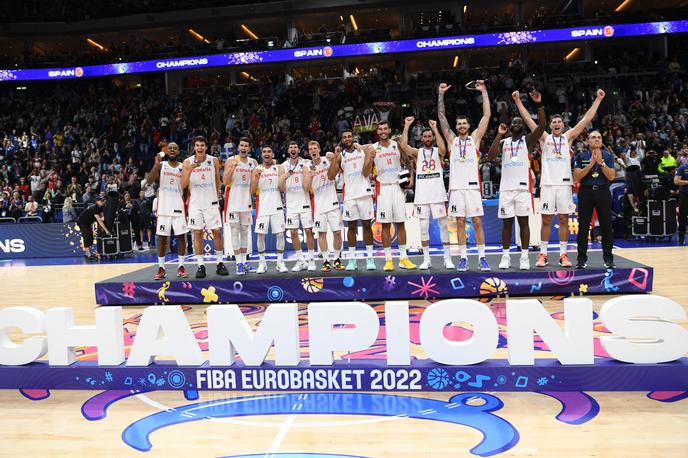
<point x="361" y="49"/>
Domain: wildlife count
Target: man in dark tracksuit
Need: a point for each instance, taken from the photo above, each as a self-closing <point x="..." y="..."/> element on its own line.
<point x="594" y="169"/>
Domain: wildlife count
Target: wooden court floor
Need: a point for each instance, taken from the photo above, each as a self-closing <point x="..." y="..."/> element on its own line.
<point x="629" y="424"/>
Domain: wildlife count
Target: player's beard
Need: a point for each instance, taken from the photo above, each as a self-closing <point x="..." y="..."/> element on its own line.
<point x="428" y="144"/>
<point x="463" y="131"/>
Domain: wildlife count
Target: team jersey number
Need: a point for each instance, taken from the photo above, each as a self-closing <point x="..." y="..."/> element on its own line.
<point x="428" y="165"/>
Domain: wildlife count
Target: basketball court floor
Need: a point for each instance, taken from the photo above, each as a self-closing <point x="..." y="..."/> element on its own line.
<point x="163" y="423"/>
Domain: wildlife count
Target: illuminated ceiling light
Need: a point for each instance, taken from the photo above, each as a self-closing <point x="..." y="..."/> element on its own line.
<point x="96" y="44"/>
<point x="198" y="36"/>
<point x="572" y="54"/>
<point x="353" y="22"/>
<point x="622" y="6"/>
<point x="249" y="32"/>
<point x="341" y="18"/>
<point x="465" y="9"/>
<point x="456" y="61"/>
<point x="247" y="76"/>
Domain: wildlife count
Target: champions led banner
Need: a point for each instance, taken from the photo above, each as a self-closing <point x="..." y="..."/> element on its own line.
<point x="362" y="49"/>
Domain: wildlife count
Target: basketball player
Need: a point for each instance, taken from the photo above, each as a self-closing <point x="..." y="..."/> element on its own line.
<point x="238" y="213"/>
<point x="326" y="211"/>
<point x="170" y="207"/>
<point x="269" y="182"/>
<point x="299" y="211"/>
<point x="356" y="167"/>
<point x="391" y="200"/>
<point x="556" y="180"/>
<point x="515" y="187"/>
<point x="431" y="195"/>
<point x="201" y="174"/>
<point x="465" y="193"/>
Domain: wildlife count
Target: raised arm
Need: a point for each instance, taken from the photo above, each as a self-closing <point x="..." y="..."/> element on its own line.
<point x="186" y="173"/>
<point x="335" y="164"/>
<point x="255" y="178"/>
<point x="281" y="178"/>
<point x="589" y="115"/>
<point x="154" y="174"/>
<point x="444" y="124"/>
<point x="535" y="135"/>
<point x="403" y="140"/>
<point x="494" y="147"/>
<point x="525" y="115"/>
<point x="308" y="178"/>
<point x="438" y="138"/>
<point x="230" y="166"/>
<point x="368" y="161"/>
<point x="487" y="112"/>
<point x="218" y="179"/>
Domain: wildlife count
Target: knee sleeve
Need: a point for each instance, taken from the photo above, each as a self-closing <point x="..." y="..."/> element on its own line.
<point x="444" y="230"/>
<point x="235" y="230"/>
<point x="280" y="241"/>
<point x="424" y="229"/>
<point x="244" y="234"/>
<point x="260" y="243"/>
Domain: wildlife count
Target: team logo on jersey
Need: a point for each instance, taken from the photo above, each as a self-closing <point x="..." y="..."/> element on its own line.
<point x="288" y="220"/>
<point x="347" y="213"/>
<point x="317" y="224"/>
<point x="502" y="211"/>
<point x="545" y="206"/>
<point x="162" y="227"/>
<point x="231" y="216"/>
<point x="192" y="221"/>
<point x="382" y="215"/>
<point x="261" y="226"/>
<point x="453" y="208"/>
<point x="419" y="210"/>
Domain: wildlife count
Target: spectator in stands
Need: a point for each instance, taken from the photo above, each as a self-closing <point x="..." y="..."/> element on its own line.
<point x="4" y="204"/>
<point x="144" y="218"/>
<point x="650" y="163"/>
<point x="74" y="189"/>
<point x="668" y="161"/>
<point x="16" y="208"/>
<point x="31" y="207"/>
<point x="87" y="197"/>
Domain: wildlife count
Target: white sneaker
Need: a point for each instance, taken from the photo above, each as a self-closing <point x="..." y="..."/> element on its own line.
<point x="299" y="266"/>
<point x="524" y="263"/>
<point x="425" y="265"/>
<point x="280" y="267"/>
<point x="311" y="265"/>
<point x="262" y="267"/>
<point x="145" y="246"/>
<point x="505" y="263"/>
<point x="448" y="264"/>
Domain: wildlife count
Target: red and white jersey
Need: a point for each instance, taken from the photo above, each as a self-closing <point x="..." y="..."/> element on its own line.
<point x="202" y="184"/>
<point x="387" y="162"/>
<point x="296" y="197"/>
<point x="355" y="183"/>
<point x="515" y="166"/>
<point x="464" y="164"/>
<point x="429" y="180"/>
<point x="324" y="192"/>
<point x="269" y="199"/>
<point x="556" y="162"/>
<point x="170" y="201"/>
<point x="238" y="194"/>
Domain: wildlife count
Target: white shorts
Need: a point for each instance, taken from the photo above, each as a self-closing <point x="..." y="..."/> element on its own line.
<point x="235" y="217"/>
<point x="515" y="203"/>
<point x="436" y="210"/>
<point x="267" y="222"/>
<point x="305" y="218"/>
<point x="167" y="224"/>
<point x="465" y="203"/>
<point x="332" y="218"/>
<point x="557" y="200"/>
<point x="360" y="208"/>
<point x="208" y="217"/>
<point x="391" y="204"/>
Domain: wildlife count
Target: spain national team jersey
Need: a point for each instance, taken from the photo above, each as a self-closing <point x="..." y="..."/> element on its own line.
<point x="556" y="162"/>
<point x="238" y="194"/>
<point x="387" y="162"/>
<point x="464" y="164"/>
<point x="429" y="180"/>
<point x="324" y="192"/>
<point x="515" y="165"/>
<point x="356" y="185"/>
<point x="202" y="184"/>
<point x="269" y="195"/>
<point x="170" y="201"/>
<point x="296" y="197"/>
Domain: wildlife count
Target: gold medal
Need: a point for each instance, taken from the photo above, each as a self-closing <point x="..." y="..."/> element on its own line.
<point x="462" y="158"/>
<point x="595" y="174"/>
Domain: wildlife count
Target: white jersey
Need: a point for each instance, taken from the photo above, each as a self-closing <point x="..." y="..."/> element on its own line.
<point x="202" y="184"/>
<point x="556" y="162"/>
<point x="355" y="183"/>
<point x="324" y="192"/>
<point x="464" y="165"/>
<point x="515" y="166"/>
<point x="238" y="194"/>
<point x="269" y="199"/>
<point x="429" y="180"/>
<point x="296" y="197"/>
<point x="170" y="201"/>
<point x="387" y="162"/>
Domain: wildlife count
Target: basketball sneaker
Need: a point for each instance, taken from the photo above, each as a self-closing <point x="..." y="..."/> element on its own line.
<point x="564" y="261"/>
<point x="484" y="266"/>
<point x="524" y="262"/>
<point x="463" y="265"/>
<point x="200" y="273"/>
<point x="221" y="269"/>
<point x="311" y="266"/>
<point x="406" y="263"/>
<point x="181" y="272"/>
<point x="262" y="267"/>
<point x="240" y="269"/>
<point x="249" y="268"/>
<point x="338" y="264"/>
<point x="370" y="264"/>
<point x="280" y="267"/>
<point x="161" y="273"/>
<point x="299" y="266"/>
<point x="389" y="265"/>
<point x="425" y="265"/>
<point x="352" y="265"/>
<point x="448" y="264"/>
<point x="326" y="267"/>
<point x="505" y="263"/>
<point x="541" y="260"/>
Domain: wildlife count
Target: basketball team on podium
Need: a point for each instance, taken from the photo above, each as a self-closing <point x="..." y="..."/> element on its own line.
<point x="301" y="193"/>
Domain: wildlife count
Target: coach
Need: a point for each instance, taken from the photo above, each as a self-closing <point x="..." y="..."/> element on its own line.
<point x="594" y="170"/>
